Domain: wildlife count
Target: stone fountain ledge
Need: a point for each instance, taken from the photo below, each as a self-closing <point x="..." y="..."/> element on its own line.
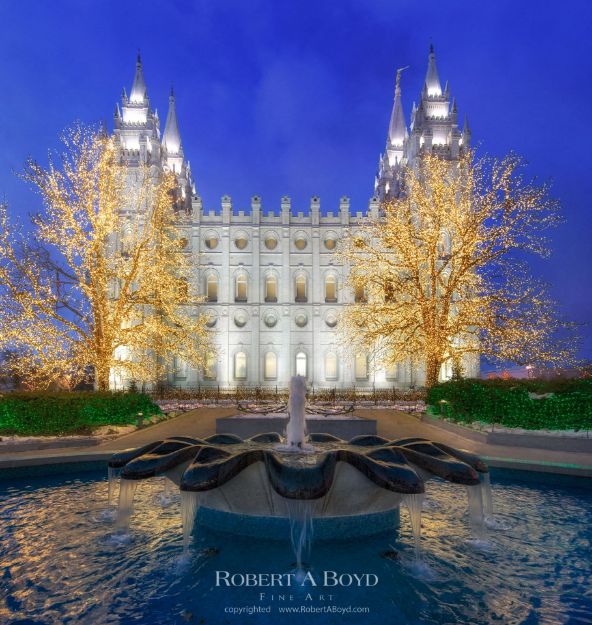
<point x="551" y="440"/>
<point x="103" y="434"/>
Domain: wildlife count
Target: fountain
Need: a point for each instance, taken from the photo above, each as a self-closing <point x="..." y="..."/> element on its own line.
<point x="338" y="488"/>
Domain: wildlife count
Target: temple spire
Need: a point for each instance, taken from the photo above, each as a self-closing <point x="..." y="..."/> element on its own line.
<point x="432" y="80"/>
<point x="171" y="139"/>
<point x="397" y="129"/>
<point x="138" y="92"/>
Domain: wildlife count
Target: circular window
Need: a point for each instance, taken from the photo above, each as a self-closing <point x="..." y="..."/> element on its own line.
<point x="330" y="243"/>
<point x="270" y="242"/>
<point x="300" y="242"/>
<point x="331" y="319"/>
<point x="211" y="241"/>
<point x="211" y="318"/>
<point x="270" y="319"/>
<point x="183" y="243"/>
<point x="241" y="241"/>
<point x="240" y="318"/>
<point x="301" y="319"/>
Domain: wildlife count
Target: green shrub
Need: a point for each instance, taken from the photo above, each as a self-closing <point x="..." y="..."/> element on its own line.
<point x="29" y="414"/>
<point x="508" y="403"/>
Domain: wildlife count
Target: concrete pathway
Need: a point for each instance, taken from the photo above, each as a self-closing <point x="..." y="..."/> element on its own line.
<point x="391" y="424"/>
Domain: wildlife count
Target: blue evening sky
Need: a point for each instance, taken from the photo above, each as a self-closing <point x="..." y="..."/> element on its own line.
<point x="278" y="97"/>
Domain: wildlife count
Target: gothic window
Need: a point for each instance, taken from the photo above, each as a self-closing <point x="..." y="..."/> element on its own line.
<point x="240" y="366"/>
<point x="389" y="292"/>
<point x="241" y="241"/>
<point x="180" y="368"/>
<point x="392" y="372"/>
<point x="271" y="241"/>
<point x="270" y="366"/>
<point x="361" y="366"/>
<point x="210" y="368"/>
<point x="270" y="288"/>
<point x="360" y="294"/>
<point x="212" y="288"/>
<point x="183" y="243"/>
<point x="183" y="288"/>
<point x="301" y="364"/>
<point x="330" y="366"/>
<point x="300" y="283"/>
<point x="330" y="288"/>
<point x="300" y="242"/>
<point x="330" y="242"/>
<point x="240" y="294"/>
<point x="211" y="241"/>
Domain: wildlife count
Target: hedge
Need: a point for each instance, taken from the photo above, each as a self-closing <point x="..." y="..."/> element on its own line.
<point x="508" y="403"/>
<point x="55" y="413"/>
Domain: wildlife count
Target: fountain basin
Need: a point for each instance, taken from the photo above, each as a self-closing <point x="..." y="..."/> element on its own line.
<point x="278" y="528"/>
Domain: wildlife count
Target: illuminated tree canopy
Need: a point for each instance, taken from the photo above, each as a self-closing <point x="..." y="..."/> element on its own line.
<point x="100" y="286"/>
<point x="443" y="272"/>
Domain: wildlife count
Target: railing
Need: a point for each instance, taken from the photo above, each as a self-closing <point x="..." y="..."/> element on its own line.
<point x="315" y="394"/>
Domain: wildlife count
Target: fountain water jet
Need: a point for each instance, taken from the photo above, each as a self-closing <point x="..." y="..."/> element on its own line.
<point x="127" y="489"/>
<point x="414" y="505"/>
<point x="189" y="507"/>
<point x="476" y="518"/>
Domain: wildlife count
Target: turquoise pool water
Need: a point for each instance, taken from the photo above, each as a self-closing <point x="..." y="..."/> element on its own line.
<point x="63" y="561"/>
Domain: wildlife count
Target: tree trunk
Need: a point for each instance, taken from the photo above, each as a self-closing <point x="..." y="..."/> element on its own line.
<point x="102" y="378"/>
<point x="432" y="371"/>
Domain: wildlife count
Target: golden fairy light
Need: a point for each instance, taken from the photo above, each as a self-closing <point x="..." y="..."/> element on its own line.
<point x="100" y="287"/>
<point x="439" y="274"/>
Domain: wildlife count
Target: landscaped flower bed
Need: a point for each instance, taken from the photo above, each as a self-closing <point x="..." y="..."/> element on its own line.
<point x="527" y="404"/>
<point x="31" y="414"/>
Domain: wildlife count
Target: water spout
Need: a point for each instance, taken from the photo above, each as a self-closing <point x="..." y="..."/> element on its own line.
<point x="301" y="528"/>
<point x="476" y="519"/>
<point x="189" y="507"/>
<point x="487" y="499"/>
<point x="112" y="477"/>
<point x="296" y="430"/>
<point x="127" y="489"/>
<point x="414" y="505"/>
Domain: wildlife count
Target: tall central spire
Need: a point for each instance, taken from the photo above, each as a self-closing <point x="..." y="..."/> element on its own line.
<point x="171" y="139"/>
<point x="138" y="92"/>
<point x="397" y="129"/>
<point x="432" y="80"/>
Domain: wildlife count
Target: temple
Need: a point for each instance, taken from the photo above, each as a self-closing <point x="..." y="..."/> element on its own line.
<point x="272" y="285"/>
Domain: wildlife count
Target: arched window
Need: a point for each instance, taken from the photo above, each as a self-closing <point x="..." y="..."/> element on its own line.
<point x="330" y="288"/>
<point x="270" y="288"/>
<point x="301" y="364"/>
<point x="240" y="366"/>
<point x="270" y="366"/>
<point x="360" y="294"/>
<point x="330" y="366"/>
<point x="240" y="294"/>
<point x="300" y="284"/>
<point x="392" y="372"/>
<point x="180" y="368"/>
<point x="210" y="368"/>
<point x="361" y="366"/>
<point x="212" y="288"/>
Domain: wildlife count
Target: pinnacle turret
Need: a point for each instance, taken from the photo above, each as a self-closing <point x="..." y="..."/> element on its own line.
<point x="432" y="80"/>
<point x="171" y="139"/>
<point x="397" y="128"/>
<point x="138" y="93"/>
